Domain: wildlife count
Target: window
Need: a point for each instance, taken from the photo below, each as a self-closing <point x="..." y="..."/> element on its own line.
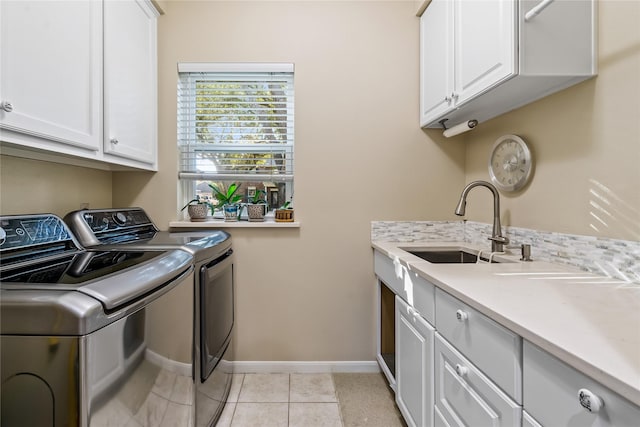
<point x="235" y="124"/>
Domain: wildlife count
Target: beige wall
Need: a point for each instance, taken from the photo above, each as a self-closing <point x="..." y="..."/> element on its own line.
<point x="586" y="142"/>
<point x="33" y="186"/>
<point x="308" y="293"/>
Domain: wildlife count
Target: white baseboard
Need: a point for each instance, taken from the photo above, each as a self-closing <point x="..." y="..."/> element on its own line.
<point x="264" y="367"/>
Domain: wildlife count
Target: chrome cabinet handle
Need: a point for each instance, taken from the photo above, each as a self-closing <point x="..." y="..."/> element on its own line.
<point x="454" y="96"/>
<point x="589" y="400"/>
<point x="447" y="99"/>
<point x="461" y="315"/>
<point x="6" y="106"/>
<point x="461" y="370"/>
<point x="114" y="141"/>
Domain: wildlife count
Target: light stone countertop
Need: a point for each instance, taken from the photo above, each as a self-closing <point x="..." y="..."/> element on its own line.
<point x="590" y="322"/>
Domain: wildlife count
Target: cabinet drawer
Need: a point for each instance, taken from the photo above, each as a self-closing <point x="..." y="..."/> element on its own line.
<point x="413" y="289"/>
<point x="422" y="295"/>
<point x="491" y="347"/>
<point x="551" y="394"/>
<point x="389" y="272"/>
<point x="465" y="396"/>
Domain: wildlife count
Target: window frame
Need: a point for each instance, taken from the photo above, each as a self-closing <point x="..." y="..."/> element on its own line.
<point x="188" y="180"/>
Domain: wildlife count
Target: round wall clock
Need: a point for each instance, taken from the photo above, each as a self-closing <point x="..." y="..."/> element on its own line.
<point x="510" y="163"/>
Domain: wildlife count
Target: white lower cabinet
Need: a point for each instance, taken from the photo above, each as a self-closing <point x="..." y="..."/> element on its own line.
<point x="556" y="394"/>
<point x="465" y="396"/>
<point x="414" y="360"/>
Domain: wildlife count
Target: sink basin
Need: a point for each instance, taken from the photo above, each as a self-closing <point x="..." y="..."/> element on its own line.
<point x="448" y="256"/>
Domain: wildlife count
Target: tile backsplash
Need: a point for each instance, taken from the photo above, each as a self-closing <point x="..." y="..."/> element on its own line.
<point x="619" y="259"/>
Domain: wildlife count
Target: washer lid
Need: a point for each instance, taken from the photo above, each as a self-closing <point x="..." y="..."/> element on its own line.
<point x="113" y="277"/>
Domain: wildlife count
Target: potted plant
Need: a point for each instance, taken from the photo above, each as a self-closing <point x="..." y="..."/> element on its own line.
<point x="197" y="209"/>
<point x="257" y="207"/>
<point x="227" y="200"/>
<point x="284" y="213"/>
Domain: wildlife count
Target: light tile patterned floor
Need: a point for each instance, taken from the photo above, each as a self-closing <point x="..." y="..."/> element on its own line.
<point x="282" y="400"/>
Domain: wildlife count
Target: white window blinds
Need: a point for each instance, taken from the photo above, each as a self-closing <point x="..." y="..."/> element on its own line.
<point x="235" y="122"/>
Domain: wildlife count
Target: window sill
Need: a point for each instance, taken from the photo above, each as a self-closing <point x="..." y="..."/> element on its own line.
<point x="220" y="223"/>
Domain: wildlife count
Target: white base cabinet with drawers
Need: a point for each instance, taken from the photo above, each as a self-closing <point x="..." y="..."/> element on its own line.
<point x="472" y="371"/>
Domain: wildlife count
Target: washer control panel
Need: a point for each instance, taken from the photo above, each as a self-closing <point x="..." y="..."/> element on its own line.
<point x="31" y="230"/>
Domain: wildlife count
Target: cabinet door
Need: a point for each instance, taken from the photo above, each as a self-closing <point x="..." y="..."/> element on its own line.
<point x="485" y="45"/>
<point x="414" y="370"/>
<point x="51" y="71"/>
<point x="436" y="60"/>
<point x="130" y="80"/>
<point x="465" y="396"/>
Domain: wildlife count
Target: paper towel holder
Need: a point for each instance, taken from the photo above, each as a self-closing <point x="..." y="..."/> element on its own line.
<point x="457" y="129"/>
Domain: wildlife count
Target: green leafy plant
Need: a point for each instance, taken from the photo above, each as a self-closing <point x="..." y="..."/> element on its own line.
<point x="256" y="199"/>
<point x="226" y="196"/>
<point x="287" y="205"/>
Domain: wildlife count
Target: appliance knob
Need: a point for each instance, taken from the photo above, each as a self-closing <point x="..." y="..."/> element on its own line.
<point x="3" y="236"/>
<point x="120" y="218"/>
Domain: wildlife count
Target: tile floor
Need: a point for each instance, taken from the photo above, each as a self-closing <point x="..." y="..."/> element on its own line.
<point x="287" y="400"/>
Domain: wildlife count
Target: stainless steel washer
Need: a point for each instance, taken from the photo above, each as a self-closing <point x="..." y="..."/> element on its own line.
<point x="84" y="334"/>
<point x="213" y="283"/>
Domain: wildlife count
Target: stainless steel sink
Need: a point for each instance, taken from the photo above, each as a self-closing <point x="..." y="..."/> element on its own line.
<point x="449" y="256"/>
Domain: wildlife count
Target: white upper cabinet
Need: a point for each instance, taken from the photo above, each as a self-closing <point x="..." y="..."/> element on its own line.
<point x="78" y="82"/>
<point x="480" y="59"/>
<point x="436" y="59"/>
<point x="484" y="46"/>
<point x="51" y="72"/>
<point x="130" y="102"/>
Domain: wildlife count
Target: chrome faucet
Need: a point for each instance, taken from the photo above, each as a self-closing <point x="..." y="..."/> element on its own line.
<point x="497" y="239"/>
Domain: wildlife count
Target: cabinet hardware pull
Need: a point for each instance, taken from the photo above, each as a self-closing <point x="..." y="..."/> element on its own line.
<point x="535" y="11"/>
<point x="6" y="106"/>
<point x="461" y="315"/>
<point x="412" y="312"/>
<point x="461" y="370"/>
<point x="589" y="400"/>
<point x="114" y="141"/>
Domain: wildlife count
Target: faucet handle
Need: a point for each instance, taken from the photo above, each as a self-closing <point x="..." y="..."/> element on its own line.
<point x="500" y="239"/>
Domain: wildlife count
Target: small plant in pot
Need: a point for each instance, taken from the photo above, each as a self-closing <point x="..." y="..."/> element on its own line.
<point x="257" y="207"/>
<point x="227" y="200"/>
<point x="284" y="213"/>
<point x="197" y="209"/>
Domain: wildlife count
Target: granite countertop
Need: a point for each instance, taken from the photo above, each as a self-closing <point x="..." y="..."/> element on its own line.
<point x="590" y="322"/>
